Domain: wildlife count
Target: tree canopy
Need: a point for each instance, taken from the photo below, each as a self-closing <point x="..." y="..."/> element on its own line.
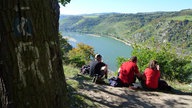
<point x="64" y="2"/>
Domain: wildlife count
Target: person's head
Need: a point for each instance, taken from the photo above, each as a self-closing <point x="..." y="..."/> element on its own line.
<point x="98" y="57"/>
<point x="153" y="64"/>
<point x="133" y="59"/>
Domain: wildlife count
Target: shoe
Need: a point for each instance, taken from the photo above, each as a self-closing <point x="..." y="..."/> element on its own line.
<point x="95" y="79"/>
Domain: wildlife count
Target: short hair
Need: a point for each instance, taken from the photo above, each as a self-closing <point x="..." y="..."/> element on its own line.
<point x="98" y="56"/>
<point x="133" y="59"/>
<point x="153" y="64"/>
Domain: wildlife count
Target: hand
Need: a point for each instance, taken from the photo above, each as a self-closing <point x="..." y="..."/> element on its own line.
<point x="157" y="67"/>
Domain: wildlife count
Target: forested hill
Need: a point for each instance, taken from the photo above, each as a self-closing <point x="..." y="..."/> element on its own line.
<point x="173" y="27"/>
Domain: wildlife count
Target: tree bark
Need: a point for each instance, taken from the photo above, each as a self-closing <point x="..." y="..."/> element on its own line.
<point x="31" y="71"/>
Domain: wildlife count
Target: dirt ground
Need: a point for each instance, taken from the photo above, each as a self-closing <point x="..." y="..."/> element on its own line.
<point x="105" y="96"/>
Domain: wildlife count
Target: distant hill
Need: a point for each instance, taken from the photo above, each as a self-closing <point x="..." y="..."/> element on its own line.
<point x="173" y="27"/>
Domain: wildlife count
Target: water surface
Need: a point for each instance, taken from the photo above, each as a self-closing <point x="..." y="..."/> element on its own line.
<point x="109" y="48"/>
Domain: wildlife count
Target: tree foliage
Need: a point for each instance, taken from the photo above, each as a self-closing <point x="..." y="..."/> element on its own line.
<point x="80" y="55"/>
<point x="64" y="2"/>
<point x="120" y="60"/>
<point x="64" y="46"/>
<point x="173" y="66"/>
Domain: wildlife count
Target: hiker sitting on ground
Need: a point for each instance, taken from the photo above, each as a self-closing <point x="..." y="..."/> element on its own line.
<point x="151" y="79"/>
<point x="99" y="68"/>
<point x="128" y="72"/>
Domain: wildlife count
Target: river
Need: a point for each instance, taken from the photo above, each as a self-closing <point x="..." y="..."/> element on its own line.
<point x="109" y="48"/>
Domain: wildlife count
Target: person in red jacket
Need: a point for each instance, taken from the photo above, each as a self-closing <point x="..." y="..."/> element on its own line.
<point x="128" y="72"/>
<point x="151" y="76"/>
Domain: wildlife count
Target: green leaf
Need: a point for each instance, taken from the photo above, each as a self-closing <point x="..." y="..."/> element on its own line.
<point x="64" y="2"/>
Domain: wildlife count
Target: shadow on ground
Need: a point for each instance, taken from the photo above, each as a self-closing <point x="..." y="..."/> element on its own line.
<point x="122" y="97"/>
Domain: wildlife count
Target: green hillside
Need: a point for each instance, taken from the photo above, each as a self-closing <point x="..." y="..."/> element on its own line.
<point x="173" y="27"/>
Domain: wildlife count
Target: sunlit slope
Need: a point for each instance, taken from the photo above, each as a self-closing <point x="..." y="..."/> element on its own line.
<point x="173" y="27"/>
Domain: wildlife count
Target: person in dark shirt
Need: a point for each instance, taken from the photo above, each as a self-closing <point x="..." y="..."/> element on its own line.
<point x="98" y="68"/>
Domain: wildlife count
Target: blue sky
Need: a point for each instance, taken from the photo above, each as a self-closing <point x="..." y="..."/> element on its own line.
<point x="76" y="7"/>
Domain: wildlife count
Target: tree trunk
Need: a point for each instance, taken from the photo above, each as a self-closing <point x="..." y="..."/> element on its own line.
<point x="31" y="71"/>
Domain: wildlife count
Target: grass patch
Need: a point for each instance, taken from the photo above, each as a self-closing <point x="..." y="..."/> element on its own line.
<point x="181" y="86"/>
<point x="74" y="83"/>
<point x="91" y="16"/>
<point x="182" y="18"/>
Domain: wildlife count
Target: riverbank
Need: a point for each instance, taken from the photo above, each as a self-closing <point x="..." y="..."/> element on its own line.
<point x="94" y="35"/>
<point x="125" y="42"/>
<point x="103" y="45"/>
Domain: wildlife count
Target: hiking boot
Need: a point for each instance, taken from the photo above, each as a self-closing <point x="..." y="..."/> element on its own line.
<point x="95" y="79"/>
